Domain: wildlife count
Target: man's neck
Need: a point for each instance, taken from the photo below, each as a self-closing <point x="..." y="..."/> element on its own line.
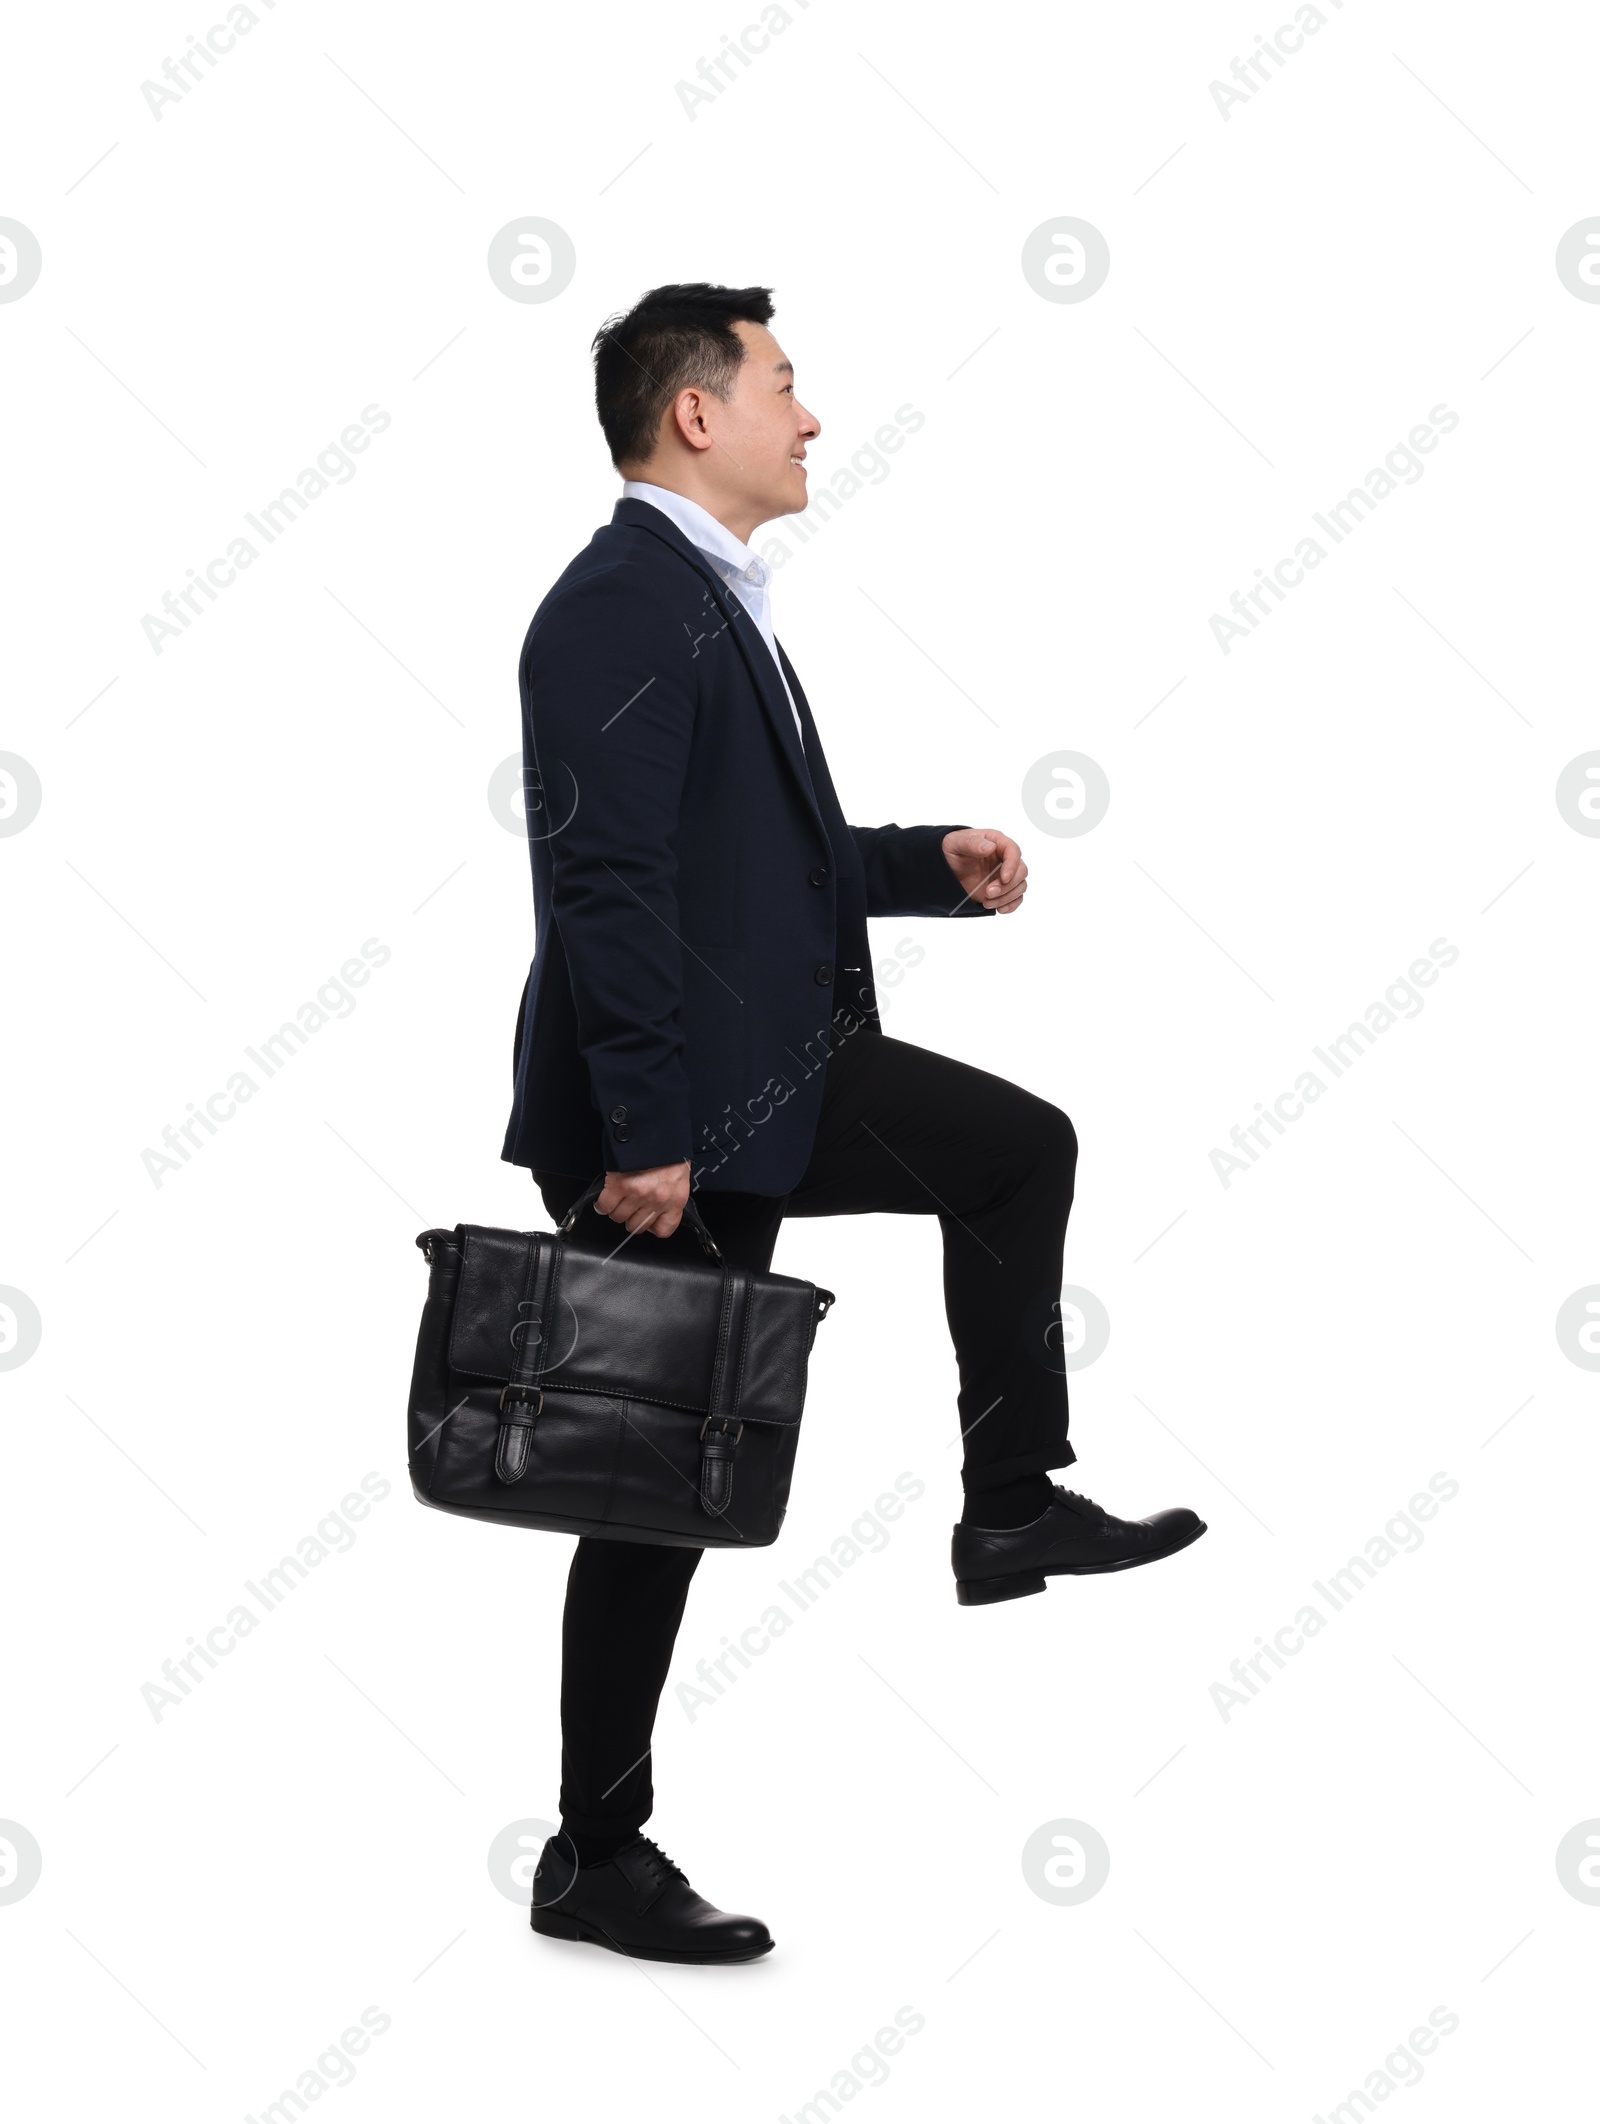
<point x="739" y="524"/>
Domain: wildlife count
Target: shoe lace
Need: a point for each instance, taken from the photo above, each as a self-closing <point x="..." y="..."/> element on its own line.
<point x="661" y="1867"/>
<point x="1086" y="1505"/>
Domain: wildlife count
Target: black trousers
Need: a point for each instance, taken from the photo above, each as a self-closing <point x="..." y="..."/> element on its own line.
<point x="912" y="1133"/>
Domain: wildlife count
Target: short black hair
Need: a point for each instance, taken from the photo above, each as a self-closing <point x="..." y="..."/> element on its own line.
<point x="673" y="336"/>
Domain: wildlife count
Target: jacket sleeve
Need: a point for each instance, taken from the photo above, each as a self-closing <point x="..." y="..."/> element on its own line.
<point x="907" y="873"/>
<point x="609" y="699"/>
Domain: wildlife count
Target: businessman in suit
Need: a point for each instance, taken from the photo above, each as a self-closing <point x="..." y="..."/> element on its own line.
<point x="700" y="1014"/>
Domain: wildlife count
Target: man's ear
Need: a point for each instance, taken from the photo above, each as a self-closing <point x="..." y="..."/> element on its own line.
<point x="688" y="417"/>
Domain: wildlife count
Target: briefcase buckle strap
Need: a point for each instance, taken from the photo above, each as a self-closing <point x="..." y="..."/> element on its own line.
<point x="522" y="1396"/>
<point x="718" y="1437"/>
<point x="514" y="1440"/>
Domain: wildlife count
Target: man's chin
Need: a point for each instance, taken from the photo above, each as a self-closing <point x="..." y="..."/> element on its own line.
<point x="793" y="501"/>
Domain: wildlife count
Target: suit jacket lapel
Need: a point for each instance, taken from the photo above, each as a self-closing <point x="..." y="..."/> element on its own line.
<point x="763" y="671"/>
<point x="821" y="780"/>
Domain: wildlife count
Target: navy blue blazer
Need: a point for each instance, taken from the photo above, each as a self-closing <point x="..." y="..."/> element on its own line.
<point x="700" y="904"/>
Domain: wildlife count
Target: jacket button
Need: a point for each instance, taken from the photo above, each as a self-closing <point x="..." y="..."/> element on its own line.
<point x="824" y="975"/>
<point x="619" y="1113"/>
<point x="620" y="1132"/>
<point x="819" y="876"/>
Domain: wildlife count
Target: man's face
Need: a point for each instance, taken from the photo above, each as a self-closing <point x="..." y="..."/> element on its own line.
<point x="760" y="433"/>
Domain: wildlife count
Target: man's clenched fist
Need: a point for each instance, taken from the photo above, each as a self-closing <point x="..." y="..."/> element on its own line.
<point x="651" y="1200"/>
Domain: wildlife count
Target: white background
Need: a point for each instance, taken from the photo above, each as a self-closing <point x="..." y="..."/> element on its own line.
<point x="1292" y="1888"/>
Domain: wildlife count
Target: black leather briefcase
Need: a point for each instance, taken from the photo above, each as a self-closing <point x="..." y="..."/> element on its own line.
<point x="628" y="1395"/>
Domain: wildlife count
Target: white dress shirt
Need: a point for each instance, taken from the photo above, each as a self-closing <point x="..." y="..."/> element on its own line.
<point x="745" y="573"/>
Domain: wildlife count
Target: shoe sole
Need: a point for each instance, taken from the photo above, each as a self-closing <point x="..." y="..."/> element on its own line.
<point x="980" y="1592"/>
<point x="555" y="1927"/>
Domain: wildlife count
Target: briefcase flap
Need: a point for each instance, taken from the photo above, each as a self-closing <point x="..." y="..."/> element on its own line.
<point x="624" y="1324"/>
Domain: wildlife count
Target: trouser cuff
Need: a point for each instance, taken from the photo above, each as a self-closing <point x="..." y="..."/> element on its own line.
<point x="606" y="1828"/>
<point x="990" y="1475"/>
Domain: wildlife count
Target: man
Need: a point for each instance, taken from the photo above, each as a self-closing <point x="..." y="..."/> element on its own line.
<point x="700" y="1014"/>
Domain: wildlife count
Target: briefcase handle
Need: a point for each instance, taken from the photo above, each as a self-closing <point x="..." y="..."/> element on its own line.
<point x="712" y="1250"/>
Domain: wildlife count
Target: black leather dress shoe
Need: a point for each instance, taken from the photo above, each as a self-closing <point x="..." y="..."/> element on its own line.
<point x="638" y="1903"/>
<point x="1072" y="1535"/>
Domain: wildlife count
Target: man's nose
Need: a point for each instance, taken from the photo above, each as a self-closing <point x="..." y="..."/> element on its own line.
<point x="810" y="426"/>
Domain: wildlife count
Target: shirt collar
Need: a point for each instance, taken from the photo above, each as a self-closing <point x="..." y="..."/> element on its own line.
<point x="730" y="556"/>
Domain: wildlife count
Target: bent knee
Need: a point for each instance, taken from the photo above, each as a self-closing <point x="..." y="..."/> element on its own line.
<point x="1055" y="1138"/>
